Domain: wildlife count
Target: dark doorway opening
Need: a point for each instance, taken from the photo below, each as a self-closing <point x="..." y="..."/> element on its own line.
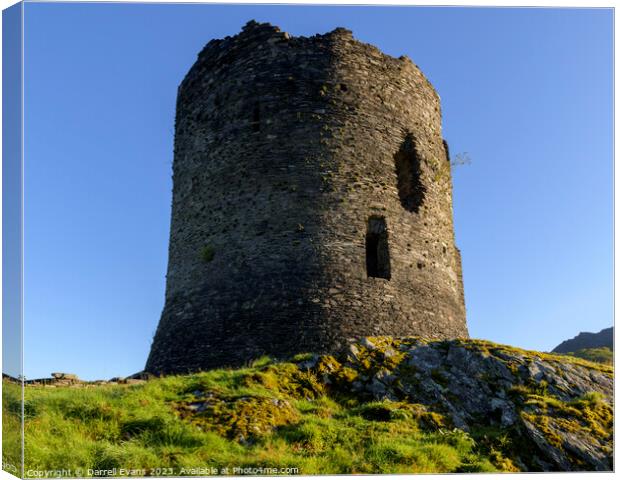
<point x="411" y="191"/>
<point x="377" y="249"/>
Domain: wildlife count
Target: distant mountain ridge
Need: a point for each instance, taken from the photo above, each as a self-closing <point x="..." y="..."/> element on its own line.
<point x="604" y="338"/>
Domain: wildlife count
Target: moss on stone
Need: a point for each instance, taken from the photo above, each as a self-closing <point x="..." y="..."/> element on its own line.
<point x="287" y="378"/>
<point x="239" y="417"/>
<point x="497" y="350"/>
<point x="394" y="411"/>
<point x="207" y="253"/>
<point x="541" y="422"/>
<point x="590" y="416"/>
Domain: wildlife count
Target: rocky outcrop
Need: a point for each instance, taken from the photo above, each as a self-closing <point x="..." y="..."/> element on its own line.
<point x="555" y="411"/>
<point x="604" y="338"/>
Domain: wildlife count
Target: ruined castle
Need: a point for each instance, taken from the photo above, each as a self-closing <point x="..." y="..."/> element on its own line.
<point x="312" y="203"/>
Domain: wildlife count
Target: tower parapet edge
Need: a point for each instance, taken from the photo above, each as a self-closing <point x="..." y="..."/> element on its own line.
<point x="312" y="203"/>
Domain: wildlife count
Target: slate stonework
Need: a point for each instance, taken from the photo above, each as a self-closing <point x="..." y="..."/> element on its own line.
<point x="289" y="151"/>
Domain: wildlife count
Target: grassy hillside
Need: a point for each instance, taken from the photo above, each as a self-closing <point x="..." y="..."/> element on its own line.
<point x="150" y="425"/>
<point x="306" y="414"/>
<point x="600" y="355"/>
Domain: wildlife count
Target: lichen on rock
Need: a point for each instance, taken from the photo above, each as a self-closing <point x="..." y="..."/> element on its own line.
<point x="525" y="411"/>
<point x="242" y="418"/>
<point x="562" y="405"/>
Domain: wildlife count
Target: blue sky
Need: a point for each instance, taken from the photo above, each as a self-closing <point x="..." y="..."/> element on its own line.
<point x="526" y="92"/>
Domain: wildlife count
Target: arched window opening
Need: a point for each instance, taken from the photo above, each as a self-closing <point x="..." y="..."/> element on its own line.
<point x="411" y="191"/>
<point x="377" y="249"/>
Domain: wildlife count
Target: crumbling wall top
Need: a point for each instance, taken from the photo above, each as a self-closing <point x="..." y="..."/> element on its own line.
<point x="218" y="51"/>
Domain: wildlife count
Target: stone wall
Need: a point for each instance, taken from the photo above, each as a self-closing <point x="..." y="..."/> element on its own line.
<point x="289" y="151"/>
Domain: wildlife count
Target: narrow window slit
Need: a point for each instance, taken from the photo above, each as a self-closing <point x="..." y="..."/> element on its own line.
<point x="411" y="191"/>
<point x="256" y="118"/>
<point x="377" y="249"/>
<point x="447" y="150"/>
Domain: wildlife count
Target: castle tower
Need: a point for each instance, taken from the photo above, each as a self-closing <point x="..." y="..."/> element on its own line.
<point x="312" y="203"/>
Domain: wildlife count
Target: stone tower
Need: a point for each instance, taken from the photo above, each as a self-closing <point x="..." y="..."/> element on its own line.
<point x="312" y="203"/>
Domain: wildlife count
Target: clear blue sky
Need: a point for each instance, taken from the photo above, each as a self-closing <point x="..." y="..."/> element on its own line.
<point x="526" y="92"/>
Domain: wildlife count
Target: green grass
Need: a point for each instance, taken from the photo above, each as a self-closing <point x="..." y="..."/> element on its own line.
<point x="600" y="355"/>
<point x="278" y="415"/>
<point x="11" y="426"/>
<point x="265" y="415"/>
